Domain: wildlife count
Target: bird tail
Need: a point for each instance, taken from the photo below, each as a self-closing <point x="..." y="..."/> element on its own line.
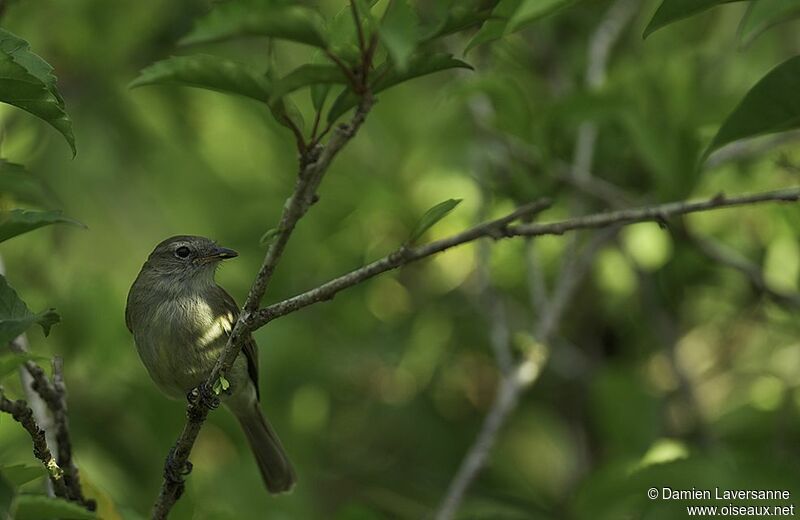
<point x="276" y="470"/>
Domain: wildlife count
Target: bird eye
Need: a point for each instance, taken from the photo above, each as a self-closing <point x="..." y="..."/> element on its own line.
<point x="182" y="252"/>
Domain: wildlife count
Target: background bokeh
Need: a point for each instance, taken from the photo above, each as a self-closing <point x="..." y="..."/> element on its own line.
<point x="667" y="370"/>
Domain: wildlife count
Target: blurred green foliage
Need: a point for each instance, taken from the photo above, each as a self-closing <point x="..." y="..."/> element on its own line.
<point x="669" y="370"/>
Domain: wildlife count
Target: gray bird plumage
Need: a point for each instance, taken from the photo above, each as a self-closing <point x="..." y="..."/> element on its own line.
<point x="180" y="319"/>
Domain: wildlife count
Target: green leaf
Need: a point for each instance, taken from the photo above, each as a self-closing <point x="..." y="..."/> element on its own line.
<point x="11" y="361"/>
<point x="763" y="14"/>
<point x="42" y="507"/>
<point x="238" y="18"/>
<point x="221" y="385"/>
<point x="400" y="32"/>
<point x="673" y="10"/>
<point x="319" y="92"/>
<point x="460" y="16"/>
<point x="431" y="217"/>
<point x="28" y="83"/>
<point x="16" y="318"/>
<point x="22" y="186"/>
<point x="510" y="16"/>
<point x="420" y="65"/>
<point x="268" y="237"/>
<point x="497" y="26"/>
<point x="7" y="492"/>
<point x="306" y="75"/>
<point x="20" y="221"/>
<point x="772" y="105"/>
<point x="20" y="474"/>
<point x="206" y="72"/>
<point x="532" y="10"/>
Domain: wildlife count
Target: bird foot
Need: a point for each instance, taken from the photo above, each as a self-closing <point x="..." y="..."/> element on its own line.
<point x="173" y="470"/>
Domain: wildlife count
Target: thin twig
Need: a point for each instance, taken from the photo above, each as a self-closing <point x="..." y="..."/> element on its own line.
<point x="313" y="166"/>
<point x="728" y="257"/>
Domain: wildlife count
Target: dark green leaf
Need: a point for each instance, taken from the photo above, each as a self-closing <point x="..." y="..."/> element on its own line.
<point x="319" y="92"/>
<point x="206" y="72"/>
<point x="28" y="83"/>
<point x="673" y="10"/>
<point x="460" y="16"/>
<point x="772" y="105"/>
<point x="7" y="492"/>
<point x="307" y="75"/>
<point x="763" y="14"/>
<point x="512" y="15"/>
<point x="20" y="474"/>
<point x="41" y="507"/>
<point x="419" y="65"/>
<point x="431" y="217"/>
<point x="20" y="221"/>
<point x="497" y="26"/>
<point x="532" y="10"/>
<point x="400" y="32"/>
<point x="16" y="318"/>
<point x="22" y="186"/>
<point x="239" y="18"/>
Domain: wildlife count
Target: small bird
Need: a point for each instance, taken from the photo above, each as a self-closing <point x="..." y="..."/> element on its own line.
<point x="180" y="319"/>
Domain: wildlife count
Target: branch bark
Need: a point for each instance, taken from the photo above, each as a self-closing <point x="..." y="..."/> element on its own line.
<point x="22" y="413"/>
<point x="502" y="228"/>
<point x="313" y="165"/>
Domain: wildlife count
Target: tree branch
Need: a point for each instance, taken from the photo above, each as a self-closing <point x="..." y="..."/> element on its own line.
<point x="21" y="413"/>
<point x="405" y="255"/>
<point x="502" y="228"/>
<point x="313" y="165"/>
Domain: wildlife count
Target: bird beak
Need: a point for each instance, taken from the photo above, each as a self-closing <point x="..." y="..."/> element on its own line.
<point x="220" y="253"/>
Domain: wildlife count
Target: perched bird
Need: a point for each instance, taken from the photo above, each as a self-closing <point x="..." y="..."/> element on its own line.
<point x="180" y="319"/>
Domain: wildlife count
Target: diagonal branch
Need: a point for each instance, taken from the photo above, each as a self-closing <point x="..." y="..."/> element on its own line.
<point x="313" y="165"/>
<point x="502" y="228"/>
<point x="495" y="229"/>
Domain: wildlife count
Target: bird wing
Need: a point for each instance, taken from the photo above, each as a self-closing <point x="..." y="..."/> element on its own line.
<point x="249" y="348"/>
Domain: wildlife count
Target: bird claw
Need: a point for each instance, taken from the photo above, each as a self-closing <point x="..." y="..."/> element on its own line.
<point x="173" y="471"/>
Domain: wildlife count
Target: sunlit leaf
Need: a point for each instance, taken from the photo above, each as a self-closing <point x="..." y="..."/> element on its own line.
<point x="20" y="221"/>
<point x="206" y="72"/>
<point x="20" y="474"/>
<point x="42" y="507"/>
<point x="399" y="31"/>
<point x="763" y="14"/>
<point x="16" y="318"/>
<point x="22" y="186"/>
<point x="419" y="65"/>
<point x="673" y="10"/>
<point x="237" y="18"/>
<point x="431" y="217"/>
<point x="771" y="106"/>
<point x="28" y="83"/>
<point x="306" y="75"/>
